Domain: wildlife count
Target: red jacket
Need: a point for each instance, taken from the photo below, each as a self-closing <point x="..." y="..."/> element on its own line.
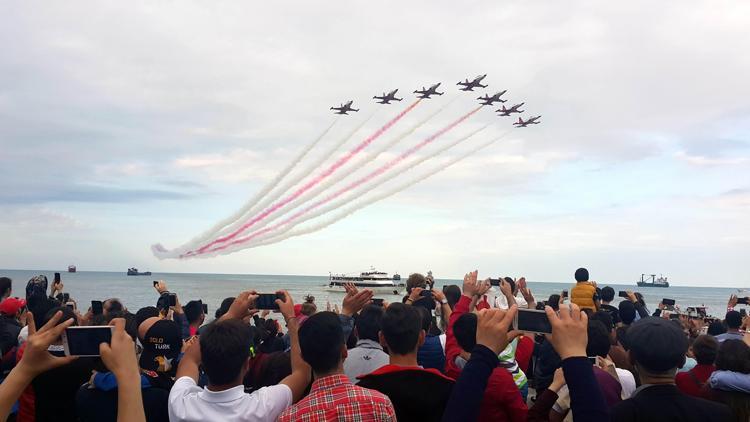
<point x="502" y="401"/>
<point x="693" y="381"/>
<point x="524" y="350"/>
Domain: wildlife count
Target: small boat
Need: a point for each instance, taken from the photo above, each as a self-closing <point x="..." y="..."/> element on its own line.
<point x="655" y="282"/>
<point x="134" y="271"/>
<point x="71" y="268"/>
<point x="377" y="281"/>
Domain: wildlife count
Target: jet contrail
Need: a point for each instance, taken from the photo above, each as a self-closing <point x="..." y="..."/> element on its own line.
<point x="367" y="202"/>
<point x="347" y="172"/>
<point x="335" y="166"/>
<point x="261" y="194"/>
<point x="346" y="200"/>
<point x="379" y="171"/>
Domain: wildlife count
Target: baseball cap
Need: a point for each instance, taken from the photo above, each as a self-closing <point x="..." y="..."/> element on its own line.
<point x="657" y="344"/>
<point x="161" y="345"/>
<point x="11" y="305"/>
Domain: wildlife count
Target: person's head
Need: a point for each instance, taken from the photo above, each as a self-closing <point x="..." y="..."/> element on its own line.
<point x="194" y="312"/>
<point x="605" y="318"/>
<point x="322" y="341"/>
<point x="368" y="323"/>
<point x="716" y="328"/>
<point x="269" y="370"/>
<point x="465" y="330"/>
<point x="145" y="313"/>
<point x="733" y="355"/>
<point x="705" y="349"/>
<point x="582" y="274"/>
<point x="401" y="329"/>
<point x="112" y="305"/>
<point x="627" y="312"/>
<point x="162" y="343"/>
<point x="308" y="308"/>
<point x="733" y="320"/>
<point x="36" y="289"/>
<point x="513" y="287"/>
<point x="225" y="352"/>
<point x="415" y="280"/>
<point x="12" y="307"/>
<point x="599" y="340"/>
<point x="5" y="287"/>
<point x="608" y="294"/>
<point x="657" y="347"/>
<point x="452" y="294"/>
<point x="67" y="314"/>
<point x="554" y="302"/>
<point x="225" y="304"/>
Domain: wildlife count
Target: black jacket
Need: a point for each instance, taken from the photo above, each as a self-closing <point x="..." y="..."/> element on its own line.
<point x="9" y="329"/>
<point x="665" y="403"/>
<point x="417" y="394"/>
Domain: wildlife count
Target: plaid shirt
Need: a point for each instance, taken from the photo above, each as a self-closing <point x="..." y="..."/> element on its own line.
<point x="335" y="398"/>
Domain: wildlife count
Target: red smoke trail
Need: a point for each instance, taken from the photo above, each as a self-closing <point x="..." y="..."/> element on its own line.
<point x="382" y="169"/>
<point x="335" y="166"/>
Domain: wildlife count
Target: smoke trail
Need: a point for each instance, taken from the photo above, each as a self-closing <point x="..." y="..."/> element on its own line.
<point x="354" y="184"/>
<point x="268" y="188"/>
<point x="343" y="201"/>
<point x="348" y="172"/>
<point x="364" y="203"/>
<point x="335" y="166"/>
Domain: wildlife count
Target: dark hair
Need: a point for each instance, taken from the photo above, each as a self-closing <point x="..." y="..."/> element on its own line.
<point x="705" y="349"/>
<point x="5" y="286"/>
<point x="716" y="328"/>
<point x="272" y="368"/>
<point x="426" y="318"/>
<point x="145" y="313"/>
<point x="401" y="325"/>
<point x="554" y="301"/>
<point x="67" y="314"/>
<point x="465" y="330"/>
<point x="733" y="355"/>
<point x="193" y="310"/>
<point x="512" y="284"/>
<point x="225" y="304"/>
<point x="452" y="294"/>
<point x="608" y="294"/>
<point x="622" y="337"/>
<point x="225" y="347"/>
<point x="605" y="318"/>
<point x="368" y="322"/>
<point x="733" y="320"/>
<point x="627" y="312"/>
<point x="415" y="280"/>
<point x="598" y="344"/>
<point x="321" y="338"/>
<point x="308" y="309"/>
<point x="39" y="307"/>
<point x="113" y="305"/>
<point x="582" y="274"/>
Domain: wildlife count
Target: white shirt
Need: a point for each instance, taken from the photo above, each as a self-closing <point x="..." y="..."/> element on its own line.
<point x="363" y="359"/>
<point x="502" y="303"/>
<point x="627" y="382"/>
<point x="188" y="402"/>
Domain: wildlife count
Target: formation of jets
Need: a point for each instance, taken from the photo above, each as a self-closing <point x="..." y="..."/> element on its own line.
<point x="466" y="85"/>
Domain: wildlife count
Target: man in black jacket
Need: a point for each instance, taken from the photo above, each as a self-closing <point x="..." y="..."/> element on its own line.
<point x="657" y="350"/>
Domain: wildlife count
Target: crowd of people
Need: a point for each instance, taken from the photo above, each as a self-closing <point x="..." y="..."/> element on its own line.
<point x="449" y="354"/>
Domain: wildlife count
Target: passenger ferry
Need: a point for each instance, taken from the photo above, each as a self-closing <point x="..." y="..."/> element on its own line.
<point x="377" y="281"/>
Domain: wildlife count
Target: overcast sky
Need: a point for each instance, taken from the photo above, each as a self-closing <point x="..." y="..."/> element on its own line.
<point x="123" y="124"/>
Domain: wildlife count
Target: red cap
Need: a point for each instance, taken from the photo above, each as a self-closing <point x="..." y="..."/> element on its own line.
<point x="297" y="310"/>
<point x="11" y="305"/>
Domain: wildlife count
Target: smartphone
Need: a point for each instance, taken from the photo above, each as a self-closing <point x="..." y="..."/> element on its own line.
<point x="96" y="307"/>
<point x="84" y="341"/>
<point x="172" y="299"/>
<point x="743" y="312"/>
<point x="674" y="316"/>
<point x="743" y="301"/>
<point x="205" y="308"/>
<point x="66" y="298"/>
<point x="156" y="282"/>
<point x="494" y="282"/>
<point x="71" y="305"/>
<point x="377" y="302"/>
<point x="592" y="359"/>
<point x="57" y="278"/>
<point x="565" y="293"/>
<point x="668" y="302"/>
<point x="532" y="321"/>
<point x="623" y="294"/>
<point x="426" y="293"/>
<point x="268" y="301"/>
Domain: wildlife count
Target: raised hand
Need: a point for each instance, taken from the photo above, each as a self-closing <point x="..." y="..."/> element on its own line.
<point x="242" y="306"/>
<point x="119" y="356"/>
<point x="438" y="295"/>
<point x="483" y="287"/>
<point x="558" y="381"/>
<point x="569" y="330"/>
<point x="732" y="302"/>
<point x="492" y="328"/>
<point x="161" y="286"/>
<point x="415" y="293"/>
<point x="36" y="359"/>
<point x="286" y="306"/>
<point x="505" y="288"/>
<point x="353" y="303"/>
<point x="470" y="284"/>
<point x="632" y="297"/>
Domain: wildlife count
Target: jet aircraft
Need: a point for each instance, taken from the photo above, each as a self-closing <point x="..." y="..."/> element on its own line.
<point x="470" y="85"/>
<point x="387" y="98"/>
<point x="426" y="93"/>
<point x="508" y="111"/>
<point x="487" y="100"/>
<point x="344" y="108"/>
<point x="529" y="121"/>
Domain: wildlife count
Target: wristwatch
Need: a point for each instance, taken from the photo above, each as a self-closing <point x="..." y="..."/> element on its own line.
<point x="444" y="301"/>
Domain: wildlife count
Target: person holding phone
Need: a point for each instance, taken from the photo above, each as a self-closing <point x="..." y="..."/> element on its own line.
<point x="170" y="306"/>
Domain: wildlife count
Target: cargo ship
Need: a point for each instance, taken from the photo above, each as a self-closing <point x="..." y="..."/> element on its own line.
<point x="655" y="282"/>
<point x="134" y="271"/>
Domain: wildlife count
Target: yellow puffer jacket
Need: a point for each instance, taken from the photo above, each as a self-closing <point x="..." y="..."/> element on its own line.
<point x="582" y="294"/>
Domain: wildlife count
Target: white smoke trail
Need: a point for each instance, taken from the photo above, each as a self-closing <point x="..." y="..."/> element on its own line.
<point x="348" y="172"/>
<point x="278" y="236"/>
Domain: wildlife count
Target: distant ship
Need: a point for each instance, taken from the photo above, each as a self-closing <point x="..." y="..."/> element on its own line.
<point x="71" y="268"/>
<point x="134" y="271"/>
<point x="377" y="281"/>
<point x="655" y="282"/>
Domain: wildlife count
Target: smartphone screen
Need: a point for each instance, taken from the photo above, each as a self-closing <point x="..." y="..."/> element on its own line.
<point x="565" y="293"/>
<point x="533" y="321"/>
<point x="96" y="307"/>
<point x="377" y="302"/>
<point x="743" y="301"/>
<point x="84" y="341"/>
<point x="205" y="308"/>
<point x="426" y="293"/>
<point x="494" y="282"/>
<point x="57" y="278"/>
<point x="267" y="301"/>
<point x="668" y="302"/>
<point x="172" y="298"/>
<point x="623" y="294"/>
<point x="156" y="282"/>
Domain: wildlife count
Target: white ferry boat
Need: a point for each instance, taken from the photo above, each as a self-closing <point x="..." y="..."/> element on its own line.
<point x="377" y="281"/>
